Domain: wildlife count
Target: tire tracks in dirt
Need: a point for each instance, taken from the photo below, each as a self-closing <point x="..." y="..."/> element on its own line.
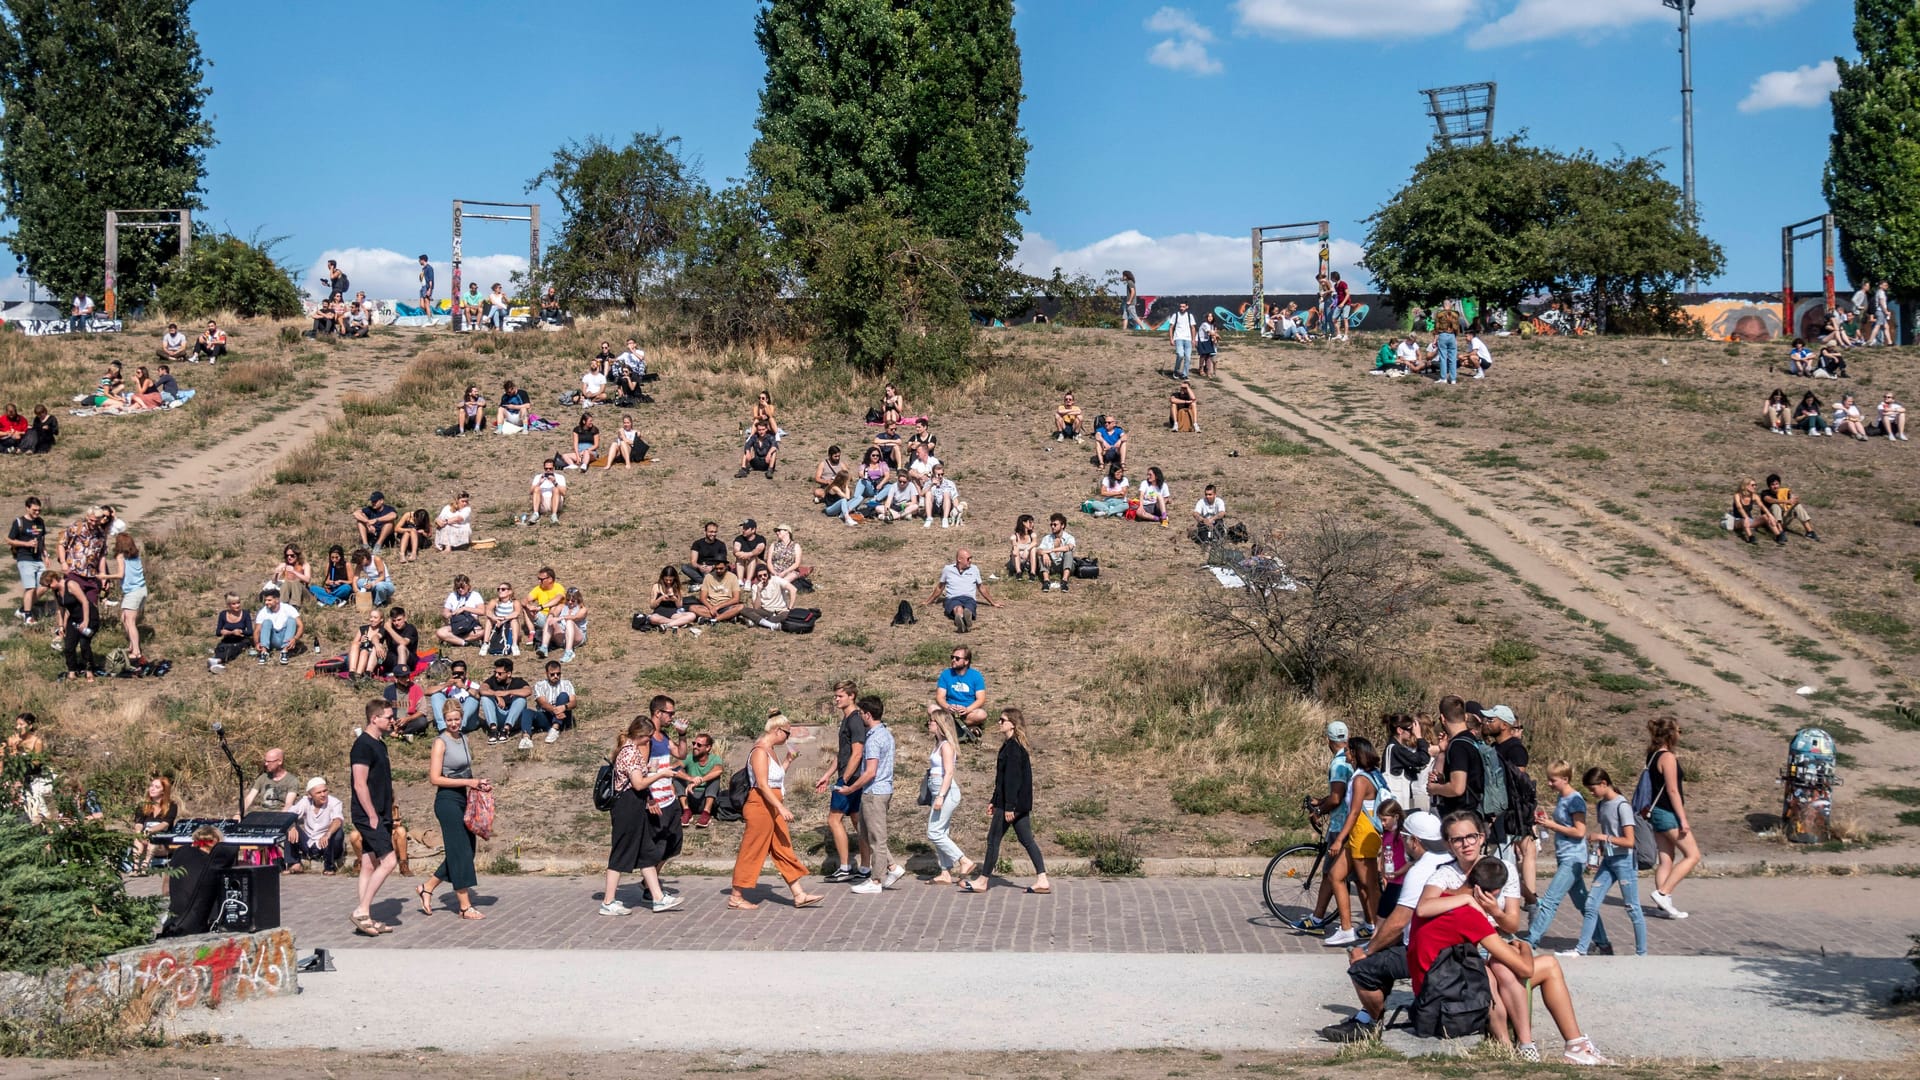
<point x="1697" y="623"/>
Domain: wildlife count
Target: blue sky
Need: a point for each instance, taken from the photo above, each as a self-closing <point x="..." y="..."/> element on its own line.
<point x="1161" y="133"/>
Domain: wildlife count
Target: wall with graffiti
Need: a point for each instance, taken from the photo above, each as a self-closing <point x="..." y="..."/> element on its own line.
<point x="162" y="980"/>
<point x="1756" y="317"/>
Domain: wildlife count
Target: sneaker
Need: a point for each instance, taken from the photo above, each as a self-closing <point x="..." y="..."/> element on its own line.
<point x="567" y="657"/>
<point x="215" y="665"/>
<point x="686" y="817"/>
<point x="1902" y="436"/>
<point x="927" y="524"/>
<point x="1317" y="923"/>
<point x="515" y="651"/>
<point x="705" y="819"/>
<point x="1663" y="902"/>
<point x="615" y="907"/>
<point x="894" y="874"/>
<point x="553" y="519"/>
<point x="947" y="523"/>
<point x="553" y="734"/>
<point x="1341" y="937"/>
<point x="839" y="876"/>
<point x="283" y="656"/>
<point x="1350" y="1031"/>
<point x="667" y="902"/>
<point x="694" y="630"/>
<point x="1569" y="953"/>
<point x="261" y="660"/>
<point x="1582" y="1052"/>
<point x="1528" y="1051"/>
<point x="861" y="873"/>
<point x="1064" y="586"/>
<point x="868" y="887"/>
<point x="741" y="474"/>
<point x="526" y="742"/>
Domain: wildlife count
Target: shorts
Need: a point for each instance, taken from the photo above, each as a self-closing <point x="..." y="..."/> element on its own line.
<point x="134" y="599"/>
<point x="1381" y="970"/>
<point x="426" y="292"/>
<point x="375" y="842"/>
<point x="967" y="602"/>
<point x="1663" y="820"/>
<point x="845" y="804"/>
<point x="30" y="572"/>
<point x="1363" y="842"/>
<point x="582" y="447"/>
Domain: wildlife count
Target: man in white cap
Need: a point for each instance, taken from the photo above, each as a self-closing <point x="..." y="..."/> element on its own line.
<point x="1501" y="729"/>
<point x="1334" y="805"/>
<point x="1375" y="967"/>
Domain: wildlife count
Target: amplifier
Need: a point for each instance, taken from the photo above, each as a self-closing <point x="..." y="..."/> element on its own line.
<point x="248" y="900"/>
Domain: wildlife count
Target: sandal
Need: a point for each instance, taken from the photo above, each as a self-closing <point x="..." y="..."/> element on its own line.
<point x="1041" y="890"/>
<point x="811" y="900"/>
<point x="735" y="903"/>
<point x="966" y="868"/>
<point x="967" y="886"/>
<point x="364" y="924"/>
<point x="426" y="900"/>
<point x="471" y="913"/>
<point x="943" y="879"/>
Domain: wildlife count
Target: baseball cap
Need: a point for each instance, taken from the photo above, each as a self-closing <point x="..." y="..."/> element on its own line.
<point x="749" y="524"/>
<point x="377" y="497"/>
<point x="1474" y="708"/>
<point x="1502" y="713"/>
<point x="1422" y="825"/>
<point x="1337" y="731"/>
<point x="316" y="782"/>
<point x="783" y="527"/>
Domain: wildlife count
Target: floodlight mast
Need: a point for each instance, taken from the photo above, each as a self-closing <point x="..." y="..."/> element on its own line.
<point x="1685" y="8"/>
<point x="1462" y="115"/>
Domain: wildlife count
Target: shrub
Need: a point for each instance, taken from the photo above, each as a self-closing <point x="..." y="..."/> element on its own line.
<point x="1115" y="856"/>
<point x="883" y="297"/>
<point x="222" y="272"/>
<point x="61" y="898"/>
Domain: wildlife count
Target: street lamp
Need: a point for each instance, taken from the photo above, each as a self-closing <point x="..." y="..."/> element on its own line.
<point x="1685" y="8"/>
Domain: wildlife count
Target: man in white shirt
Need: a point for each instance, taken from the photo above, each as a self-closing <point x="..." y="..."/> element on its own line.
<point x="276" y="626"/>
<point x="1056" y="553"/>
<point x="630" y="368"/>
<point x="549" y="494"/>
<point x="463" y="609"/>
<point x="941" y="496"/>
<point x="593" y="385"/>
<point x="1180" y="331"/>
<point x="173" y="344"/>
<point x="960" y="589"/>
<point x="552" y="706"/>
<point x="1209" y="515"/>
<point x="1482" y="356"/>
<point x="1375" y="967"/>
<point x="318" y="830"/>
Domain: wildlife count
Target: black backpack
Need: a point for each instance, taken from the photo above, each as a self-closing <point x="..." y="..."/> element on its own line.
<point x="1454" y="1001"/>
<point x="800" y="620"/>
<point x="729" y="804"/>
<point x="603" y="787"/>
<point x="1522" y="799"/>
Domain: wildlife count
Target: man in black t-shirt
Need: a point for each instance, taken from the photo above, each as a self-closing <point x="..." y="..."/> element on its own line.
<point x="846" y="766"/>
<point x="1501" y="729"/>
<point x="761" y="452"/>
<point x="375" y="521"/>
<point x="403" y="642"/>
<point x="27" y="537"/>
<point x="372" y="809"/>
<point x="1464" y="771"/>
<point x="748" y="548"/>
<point x="707" y="553"/>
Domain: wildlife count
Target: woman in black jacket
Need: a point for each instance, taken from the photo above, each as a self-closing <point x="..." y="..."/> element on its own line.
<point x="1011" y="805"/>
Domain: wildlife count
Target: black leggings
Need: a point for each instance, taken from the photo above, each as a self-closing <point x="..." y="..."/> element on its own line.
<point x="78" y="649"/>
<point x="1023" y="831"/>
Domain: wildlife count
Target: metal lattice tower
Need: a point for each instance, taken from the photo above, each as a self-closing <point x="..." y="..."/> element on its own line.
<point x="1462" y="115"/>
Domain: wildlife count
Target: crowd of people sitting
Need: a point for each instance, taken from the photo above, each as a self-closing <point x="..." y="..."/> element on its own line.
<point x="1783" y="416"/>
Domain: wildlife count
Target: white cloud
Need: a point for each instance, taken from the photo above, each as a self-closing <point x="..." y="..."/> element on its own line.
<point x="1186" y="48"/>
<point x="1190" y="263"/>
<point x="391" y="275"/>
<point x="1370" y="19"/>
<point x="1535" y="20"/>
<point x="1802" y="88"/>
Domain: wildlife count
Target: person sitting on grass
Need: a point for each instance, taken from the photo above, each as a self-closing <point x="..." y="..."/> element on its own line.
<point x="707" y="552"/>
<point x="1057" y="549"/>
<point x="370" y="575"/>
<point x="896" y="500"/>
<point x="403" y="643"/>
<point x="1847" y="419"/>
<point x="463" y="609"/>
<point x="841" y="497"/>
<point x="414" y="532"/>
<point x="553" y="698"/>
<point x="453" y="526"/>
<point x="749" y="548"/>
<point x="825" y="473"/>
<point x="568" y="623"/>
<point x="409" y="701"/>
<point x="547" y="493"/>
<point x="1800" y="359"/>
<point x="1811" y="414"/>
<point x="1209" y="516"/>
<point x="874" y="473"/>
<point x="375" y="521"/>
<point x="336" y="578"/>
<point x="232" y="633"/>
<point x="1023" y="549"/>
<point x="212" y="344"/>
<point x="892" y="406"/>
<point x="669" y="602"/>
<point x="1893" y="418"/>
<point x="586" y="444"/>
<point x="473" y="411"/>
<point x="761" y="453"/>
<point x="1110" y="440"/>
<point x="1748" y="512"/>
<point x="719" y="596"/>
<point x="1777" y="412"/>
<point x="593" y="384"/>
<point x="543" y="599"/>
<point x="276" y="627"/>
<point x="1780" y="502"/>
<point x="1831" y="364"/>
<point x="763" y="410"/>
<point x="1182" y="402"/>
<point x="705" y="773"/>
<point x="940" y="496"/>
<point x="771" y="598"/>
<point x="457" y="702"/>
<point x="367" y="652"/>
<point x="1112" y="498"/>
<point x="1067" y="420"/>
<point x="503" y="704"/>
<point x="1154" y="498"/>
<point x="922" y="435"/>
<point x="921" y="462"/>
<point x="626" y="443"/>
<point x="960" y="590"/>
<point x="505" y="622"/>
<point x="960" y="694"/>
<point x="173" y="344"/>
<point x="360" y="317"/>
<point x="1387" y="359"/>
<point x="888" y="443"/>
<point x="514" y="411"/>
<point x="629" y="369"/>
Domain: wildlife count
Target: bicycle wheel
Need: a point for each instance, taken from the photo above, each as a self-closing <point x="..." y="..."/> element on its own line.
<point x="1291" y="883"/>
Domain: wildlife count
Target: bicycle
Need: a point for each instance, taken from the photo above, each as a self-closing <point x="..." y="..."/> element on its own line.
<point x="1292" y="881"/>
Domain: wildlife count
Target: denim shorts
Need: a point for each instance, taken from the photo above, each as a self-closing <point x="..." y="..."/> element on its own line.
<point x="1663" y="820"/>
<point x="30" y="571"/>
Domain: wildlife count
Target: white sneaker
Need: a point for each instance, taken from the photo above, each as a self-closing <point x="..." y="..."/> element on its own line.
<point x="1340" y="937"/>
<point x="947" y="523"/>
<point x="694" y="630"/>
<point x="1582" y="1052"/>
<point x="526" y="742"/>
<point x="1569" y="952"/>
<point x="553" y="734"/>
<point x="893" y="875"/>
<point x="215" y="665"/>
<point x="868" y="887"/>
<point x="615" y="907"/>
<point x="1663" y="902"/>
<point x="666" y="902"/>
<point x="554" y="519"/>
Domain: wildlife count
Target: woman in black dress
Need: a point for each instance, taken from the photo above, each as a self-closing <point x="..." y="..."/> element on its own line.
<point x="1012" y="804"/>
<point x="450" y="771"/>
<point x="641" y="837"/>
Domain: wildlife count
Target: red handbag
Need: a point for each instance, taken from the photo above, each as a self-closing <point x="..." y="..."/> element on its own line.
<point x="479" y="817"/>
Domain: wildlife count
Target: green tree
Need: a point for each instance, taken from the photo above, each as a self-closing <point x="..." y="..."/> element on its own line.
<point x="883" y="293"/>
<point x="625" y="214"/>
<point x="102" y="108"/>
<point x="734" y="283"/>
<point x="1872" y="178"/>
<point x="222" y="272"/>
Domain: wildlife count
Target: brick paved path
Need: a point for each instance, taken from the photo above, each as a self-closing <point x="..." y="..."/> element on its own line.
<point x="1867" y="916"/>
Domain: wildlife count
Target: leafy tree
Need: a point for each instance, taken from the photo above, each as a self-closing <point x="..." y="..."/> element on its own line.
<point x="1872" y="179"/>
<point x="883" y="294"/>
<point x="222" y="272"/>
<point x="625" y="214"/>
<point x="734" y="283"/>
<point x="1619" y="238"/>
<point x="61" y="897"/>
<point x="102" y="108"/>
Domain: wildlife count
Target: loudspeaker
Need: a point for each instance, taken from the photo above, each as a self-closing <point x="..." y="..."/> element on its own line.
<point x="248" y="900"/>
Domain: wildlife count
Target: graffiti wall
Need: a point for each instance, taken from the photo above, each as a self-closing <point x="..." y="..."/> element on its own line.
<point x="1757" y="318"/>
<point x="169" y="977"/>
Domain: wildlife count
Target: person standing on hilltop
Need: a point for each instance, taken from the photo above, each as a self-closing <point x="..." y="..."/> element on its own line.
<point x="1130" y="310"/>
<point x="426" y="286"/>
<point x="1181" y="330"/>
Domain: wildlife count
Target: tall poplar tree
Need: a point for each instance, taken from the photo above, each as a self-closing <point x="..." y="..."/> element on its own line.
<point x="103" y="110"/>
<point x="1872" y="181"/>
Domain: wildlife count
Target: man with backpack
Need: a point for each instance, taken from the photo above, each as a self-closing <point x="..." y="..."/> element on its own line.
<point x="1382" y="962"/>
<point x="1501" y="728"/>
<point x="1475" y="780"/>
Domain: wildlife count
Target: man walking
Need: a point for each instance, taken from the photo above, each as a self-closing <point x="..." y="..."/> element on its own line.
<point x="27" y="536"/>
<point x="874" y="786"/>
<point x="372" y="812"/>
<point x="846" y="765"/>
<point x="1180" y="330"/>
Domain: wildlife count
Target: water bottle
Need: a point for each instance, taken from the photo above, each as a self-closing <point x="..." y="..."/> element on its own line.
<point x="1593" y="856"/>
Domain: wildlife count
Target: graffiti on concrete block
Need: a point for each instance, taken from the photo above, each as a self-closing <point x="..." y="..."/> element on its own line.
<point x="165" y="979"/>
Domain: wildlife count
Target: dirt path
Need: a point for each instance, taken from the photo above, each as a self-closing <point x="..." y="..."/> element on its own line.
<point x="1700" y="625"/>
<point x="237" y="463"/>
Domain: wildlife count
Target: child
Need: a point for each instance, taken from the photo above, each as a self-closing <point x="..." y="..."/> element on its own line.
<point x="1394" y="859"/>
<point x="1613" y="829"/>
<point x="1568" y="822"/>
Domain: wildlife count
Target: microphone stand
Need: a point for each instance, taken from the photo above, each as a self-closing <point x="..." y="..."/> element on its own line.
<point x="239" y="774"/>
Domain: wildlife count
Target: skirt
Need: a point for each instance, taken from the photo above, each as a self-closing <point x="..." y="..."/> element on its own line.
<point x="659" y="836"/>
<point x="629" y="812"/>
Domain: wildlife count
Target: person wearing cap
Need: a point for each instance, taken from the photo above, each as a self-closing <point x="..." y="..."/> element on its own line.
<point x="276" y="625"/>
<point x="1334" y="806"/>
<point x="1500" y="728"/>
<point x="375" y="521"/>
<point x="173" y="344"/>
<point x="318" y="830"/>
<point x="1375" y="967"/>
<point x="784" y="555"/>
<point x="748" y="548"/>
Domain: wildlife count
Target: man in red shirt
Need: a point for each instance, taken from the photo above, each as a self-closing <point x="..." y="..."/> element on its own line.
<point x="1465" y="916"/>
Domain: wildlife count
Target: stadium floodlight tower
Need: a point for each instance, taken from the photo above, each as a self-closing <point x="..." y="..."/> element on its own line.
<point x="1462" y="115"/>
<point x="1685" y="8"/>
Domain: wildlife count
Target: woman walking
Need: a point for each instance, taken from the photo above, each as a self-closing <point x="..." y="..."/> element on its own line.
<point x="640" y="837"/>
<point x="1357" y="847"/>
<point x="1012" y="804"/>
<point x="1130" y="309"/>
<point x="1613" y="831"/>
<point x="943" y="786"/>
<point x="131" y="573"/>
<point x="767" y="818"/>
<point x="450" y="771"/>
<point x="1679" y="850"/>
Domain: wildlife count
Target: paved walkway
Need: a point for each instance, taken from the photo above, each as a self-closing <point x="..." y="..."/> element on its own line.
<point x="1866" y="916"/>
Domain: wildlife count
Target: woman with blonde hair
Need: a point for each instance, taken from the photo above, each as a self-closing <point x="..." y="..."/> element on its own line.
<point x="450" y="771"/>
<point x="767" y="818"/>
<point x="131" y="573"/>
<point x="943" y="788"/>
<point x="1012" y="804"/>
<point x="453" y="526"/>
<point x="1679" y="849"/>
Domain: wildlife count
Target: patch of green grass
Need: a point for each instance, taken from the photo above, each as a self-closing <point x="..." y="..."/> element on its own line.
<point x="1276" y="446"/>
<point x="1494" y="459"/>
<point x="1905" y="796"/>
<point x="1619" y="684"/>
<point x="1733" y="677"/>
<point x="879" y="542"/>
<point x="849" y="639"/>
<point x="1898" y="717"/>
<point x="742" y="714"/>
<point x="1207" y="796"/>
<point x="503" y="865"/>
<point x="1908" y="817"/>
<point x="1086" y="806"/>
<point x="1510" y="652"/>
<point x="693" y="672"/>
<point x="928" y="654"/>
<point x="1455" y="575"/>
<point x="1577" y="452"/>
<point x="1880" y="624"/>
<point x="1809" y="650"/>
<point x="1594" y="397"/>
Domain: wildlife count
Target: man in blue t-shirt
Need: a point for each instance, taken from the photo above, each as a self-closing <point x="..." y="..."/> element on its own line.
<point x="1334" y="805"/>
<point x="962" y="693"/>
<point x="426" y="285"/>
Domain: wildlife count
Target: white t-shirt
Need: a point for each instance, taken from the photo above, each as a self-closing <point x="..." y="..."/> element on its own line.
<point x="958" y="584"/>
<point x="1183" y="324"/>
<point x="923" y="467"/>
<point x="1149" y="493"/>
<point x="276" y="620"/>
<point x="315" y="820"/>
<point x="498" y="300"/>
<point x="1418" y="877"/>
<point x="1890" y="409"/>
<point x="547" y="483"/>
<point x="1210" y="509"/>
<point x="472" y="603"/>
<point x="175" y="340"/>
<point x="1407" y="352"/>
<point x="1447" y="876"/>
<point x="1063" y="542"/>
<point x="593" y="382"/>
<point x="1481" y="351"/>
<point x="943" y="490"/>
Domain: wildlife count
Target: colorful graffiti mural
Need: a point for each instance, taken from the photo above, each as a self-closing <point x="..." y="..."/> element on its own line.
<point x="1758" y="319"/>
<point x="169" y="977"/>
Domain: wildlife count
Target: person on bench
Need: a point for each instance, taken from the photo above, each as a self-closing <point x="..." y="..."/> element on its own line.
<point x="550" y="308"/>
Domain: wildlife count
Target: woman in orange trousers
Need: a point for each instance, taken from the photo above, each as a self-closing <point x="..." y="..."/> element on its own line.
<point x="767" y="816"/>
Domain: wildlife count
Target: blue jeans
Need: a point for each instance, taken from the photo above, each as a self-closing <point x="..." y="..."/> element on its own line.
<point x="331" y="595"/>
<point x="537" y="718"/>
<point x="1448" y="349"/>
<point x="497" y="718"/>
<point x="1614" y="868"/>
<point x="269" y="638"/>
<point x="497" y="318"/>
<point x="382" y="590"/>
<point x="1569" y="879"/>
<point x="938" y="819"/>
<point x="841" y="507"/>
<point x="1182" y="356"/>
<point x="469" y="709"/>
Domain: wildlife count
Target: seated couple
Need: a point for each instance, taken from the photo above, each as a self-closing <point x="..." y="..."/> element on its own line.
<point x="1039" y="559"/>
